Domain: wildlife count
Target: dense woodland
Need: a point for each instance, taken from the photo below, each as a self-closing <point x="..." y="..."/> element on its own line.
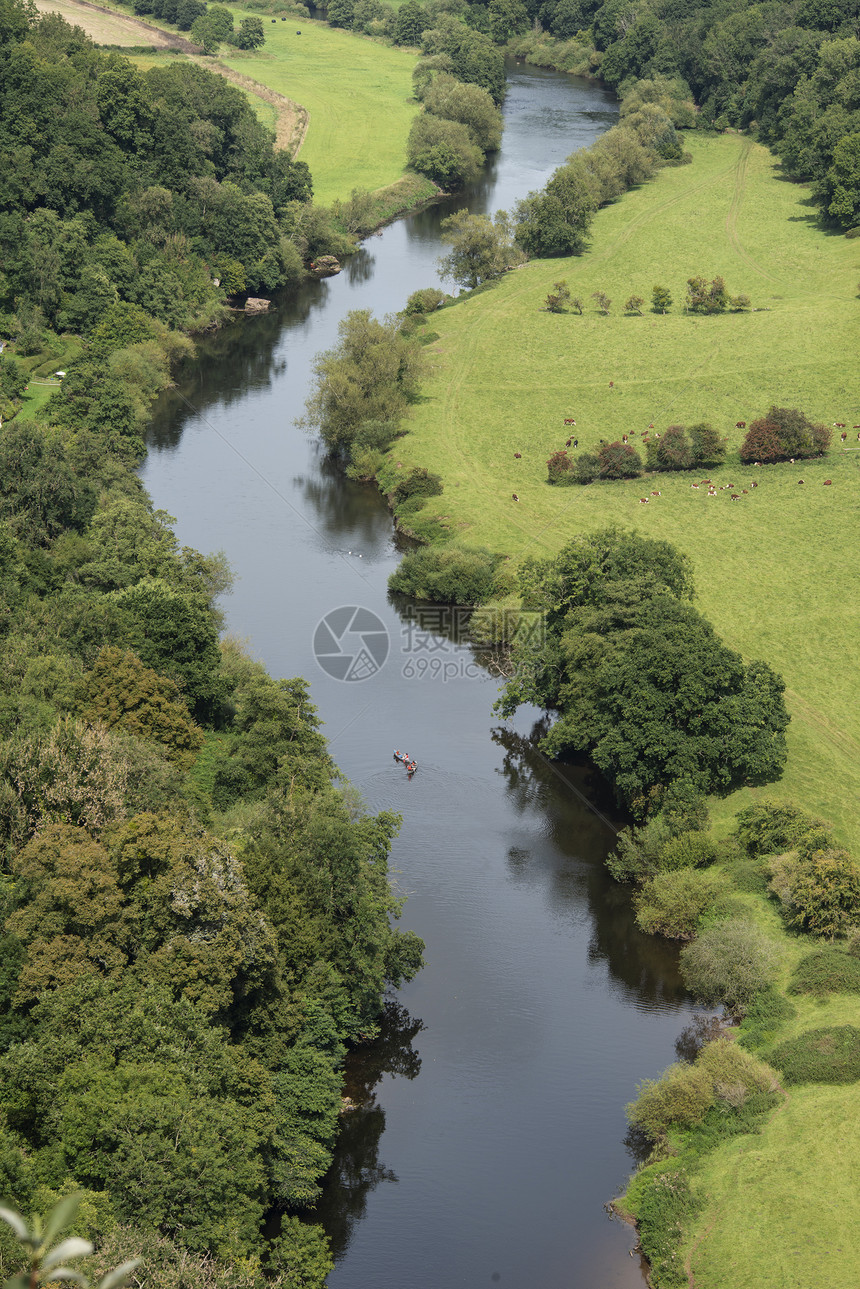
<point x="195" y="912"/>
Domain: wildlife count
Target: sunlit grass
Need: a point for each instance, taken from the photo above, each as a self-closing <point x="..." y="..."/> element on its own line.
<point x="358" y="93"/>
<point x="776" y="571"/>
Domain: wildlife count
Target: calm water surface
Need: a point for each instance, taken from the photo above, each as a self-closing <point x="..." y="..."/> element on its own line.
<point x="491" y="1120"/>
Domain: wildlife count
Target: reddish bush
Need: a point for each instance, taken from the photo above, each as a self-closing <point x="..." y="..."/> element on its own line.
<point x="762" y="442"/>
<point x="618" y="461"/>
<point x="559" y="467"/>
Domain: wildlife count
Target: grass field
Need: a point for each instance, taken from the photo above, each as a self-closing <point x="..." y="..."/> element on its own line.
<point x="783" y="1207"/>
<point x="103" y="27"/>
<point x="776" y="571"/>
<point x="358" y="94"/>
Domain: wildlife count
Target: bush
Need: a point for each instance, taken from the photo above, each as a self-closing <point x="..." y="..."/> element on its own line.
<point x="427" y="300"/>
<point x="586" y="468"/>
<point x="826" y="971"/>
<point x="417" y="483"/>
<point x="673" y="450"/>
<point x="772" y="827"/>
<point x="730" y="963"/>
<point x="663" y="1202"/>
<point x="447" y="575"/>
<point x="689" y="850"/>
<point x="830" y="1055"/>
<point x="820" y="893"/>
<point x="722" y="1073"/>
<point x="557" y="298"/>
<point x="559" y="468"/>
<point x="672" y="904"/>
<point x="708" y="448"/>
<point x="444" y="151"/>
<point x="636" y="856"/>
<point x="706" y="297"/>
<point x="618" y="461"/>
<point x="784" y="433"/>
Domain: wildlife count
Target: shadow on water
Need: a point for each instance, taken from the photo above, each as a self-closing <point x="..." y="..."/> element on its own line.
<point x="356" y="1169"/>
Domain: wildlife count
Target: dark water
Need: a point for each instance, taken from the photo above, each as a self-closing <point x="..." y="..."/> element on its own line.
<point x="491" y="1113"/>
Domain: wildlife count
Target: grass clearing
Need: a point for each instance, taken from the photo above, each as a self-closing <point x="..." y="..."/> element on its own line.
<point x="103" y="26"/>
<point x="357" y="91"/>
<point x="775" y="571"/>
<point x="783" y="1207"/>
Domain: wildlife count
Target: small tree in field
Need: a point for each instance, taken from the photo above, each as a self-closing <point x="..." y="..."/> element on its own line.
<point x="576" y="303"/>
<point x="559" y="468"/>
<point x="557" y="298"/>
<point x="619" y="461"/>
<point x="740" y="303"/>
<point x="634" y="304"/>
<point x="708" y="447"/>
<point x="761" y="442"/>
<point x="602" y="300"/>
<point x="673" y="449"/>
<point x="730" y="963"/>
<point x="661" y="299"/>
<point x="707" y="297"/>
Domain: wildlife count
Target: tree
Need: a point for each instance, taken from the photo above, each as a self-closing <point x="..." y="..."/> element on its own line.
<point x="471" y="105"/>
<point x="730" y="963"/>
<point x="706" y="297"/>
<point x="557" y="298"/>
<point x="123" y="694"/>
<point x="410" y="21"/>
<point x="707" y="446"/>
<point x="673" y="449"/>
<point x="557" y="220"/>
<point x="47" y="1261"/>
<point x="372" y="374"/>
<point x="251" y="33"/>
<point x="841" y="187"/>
<point x="602" y="300"/>
<point x="633" y="304"/>
<point x="618" y="461"/>
<point x="443" y="150"/>
<point x="481" y="248"/>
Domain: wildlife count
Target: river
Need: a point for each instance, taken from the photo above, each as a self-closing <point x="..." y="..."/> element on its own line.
<point x="490" y="1121"/>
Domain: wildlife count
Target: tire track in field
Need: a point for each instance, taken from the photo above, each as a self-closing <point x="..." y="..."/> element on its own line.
<point x="735" y="209"/>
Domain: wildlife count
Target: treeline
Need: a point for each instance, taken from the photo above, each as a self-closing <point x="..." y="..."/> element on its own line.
<point x="159" y="189"/>
<point x="209" y="24"/>
<point x="174" y="1008"/>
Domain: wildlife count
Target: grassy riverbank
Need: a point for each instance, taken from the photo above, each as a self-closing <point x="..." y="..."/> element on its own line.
<point x="775" y="571"/>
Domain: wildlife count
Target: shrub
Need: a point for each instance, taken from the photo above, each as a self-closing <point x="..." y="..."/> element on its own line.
<point x="707" y="446"/>
<point x="740" y="303"/>
<point x="730" y="963"/>
<point x="672" y="904"/>
<point x="673" y="450"/>
<point x="820" y="893"/>
<point x="557" y="298"/>
<point x="661" y="299"/>
<point x="443" y="150"/>
<point x="618" y="461"/>
<point x="602" y="300"/>
<point x="826" y="971"/>
<point x="736" y="1074"/>
<point x="586" y="468"/>
<point x="689" y="850"/>
<point x="634" y="304"/>
<point x="417" y="483"/>
<point x="679" y="1098"/>
<point x="785" y="432"/>
<point x="559" y="468"/>
<point x="706" y="297"/>
<point x="830" y="1055"/>
<point x="447" y="575"/>
<point x="663" y="1202"/>
<point x="427" y="300"/>
<point x="636" y="856"/>
<point x="771" y="827"/>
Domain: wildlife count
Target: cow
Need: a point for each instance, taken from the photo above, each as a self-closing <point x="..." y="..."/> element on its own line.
<point x="828" y="483"/>
<point x="518" y="455"/>
<point x="515" y="497"/>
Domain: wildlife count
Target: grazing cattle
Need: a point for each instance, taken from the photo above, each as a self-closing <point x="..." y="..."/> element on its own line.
<point x="643" y="501"/>
<point x="740" y="425"/>
<point x="656" y="494"/>
<point x="568" y="420"/>
<point x="611" y="383"/>
<point x="651" y="426"/>
<point x="736" y="496"/>
<point x="694" y="485"/>
<point x="843" y="436"/>
<point x="800" y="481"/>
<point x="518" y="455"/>
<point x="568" y="443"/>
<point x="515" y="497"/>
<point x="623" y="438"/>
<point x="753" y="485"/>
<point x="576" y="443"/>
<point x="746" y="494"/>
<point x="828" y="483"/>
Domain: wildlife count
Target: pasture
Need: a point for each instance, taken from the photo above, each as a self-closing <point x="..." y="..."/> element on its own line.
<point x="775" y="571"/>
<point x="357" y="92"/>
<point x="106" y="27"/>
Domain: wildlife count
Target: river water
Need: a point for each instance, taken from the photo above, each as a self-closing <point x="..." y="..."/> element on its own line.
<point x="490" y="1121"/>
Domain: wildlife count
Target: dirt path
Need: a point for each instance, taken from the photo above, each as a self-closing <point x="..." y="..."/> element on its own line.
<point x="108" y="27"/>
<point x="293" y="119"/>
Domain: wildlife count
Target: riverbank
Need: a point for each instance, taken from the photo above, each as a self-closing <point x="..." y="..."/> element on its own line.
<point x="774" y="573"/>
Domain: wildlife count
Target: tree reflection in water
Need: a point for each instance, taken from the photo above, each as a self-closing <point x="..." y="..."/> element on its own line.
<point x="356" y="1168"/>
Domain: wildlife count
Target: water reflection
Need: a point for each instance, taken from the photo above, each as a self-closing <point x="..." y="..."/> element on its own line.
<point x="356" y="1169"/>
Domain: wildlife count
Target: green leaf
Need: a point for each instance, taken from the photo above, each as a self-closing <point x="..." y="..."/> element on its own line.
<point x="73" y="1247"/>
<point x="119" y="1274"/>
<point x="17" y="1223"/>
<point x="60" y="1216"/>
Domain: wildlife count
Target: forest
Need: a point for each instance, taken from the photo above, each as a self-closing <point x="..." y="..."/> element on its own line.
<point x="196" y="916"/>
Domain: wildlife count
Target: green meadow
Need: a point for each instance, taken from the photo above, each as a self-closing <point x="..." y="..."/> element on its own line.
<point x="776" y="571"/>
<point x="358" y="93"/>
